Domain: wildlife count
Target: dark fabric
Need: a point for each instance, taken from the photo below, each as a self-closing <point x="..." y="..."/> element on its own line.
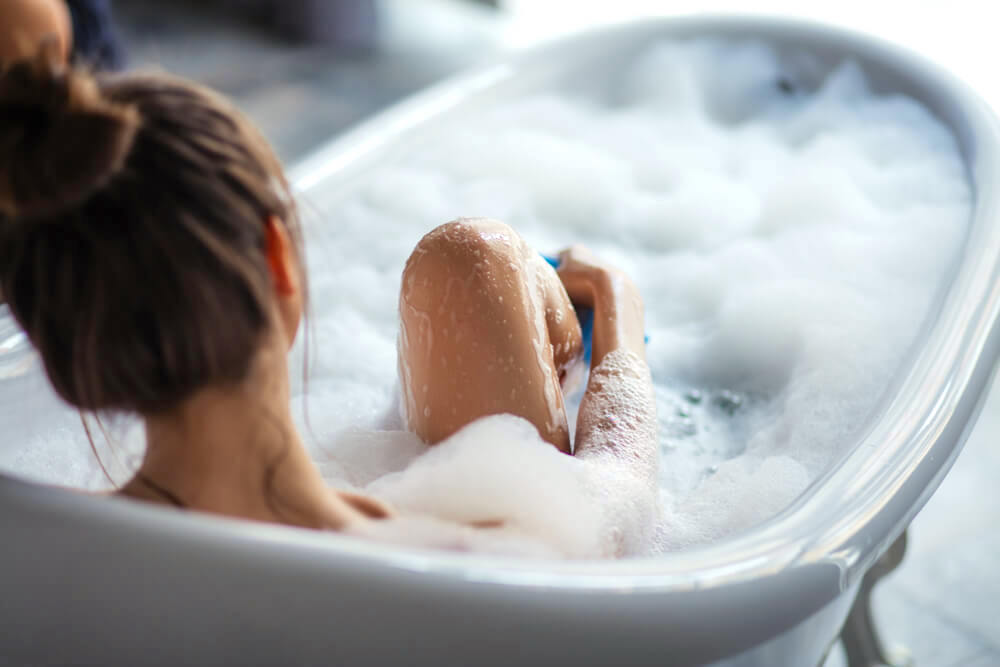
<point x="95" y="41"/>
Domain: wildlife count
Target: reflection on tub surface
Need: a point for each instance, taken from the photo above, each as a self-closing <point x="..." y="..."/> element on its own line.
<point x="787" y="229"/>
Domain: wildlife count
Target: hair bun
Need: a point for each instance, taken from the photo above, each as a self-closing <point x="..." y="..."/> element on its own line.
<point x="60" y="139"/>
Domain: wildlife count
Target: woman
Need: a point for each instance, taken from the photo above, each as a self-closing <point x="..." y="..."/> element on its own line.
<point x="149" y="249"/>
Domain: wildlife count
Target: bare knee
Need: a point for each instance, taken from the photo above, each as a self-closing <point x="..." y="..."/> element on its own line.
<point x="465" y="234"/>
<point x="463" y="260"/>
<point x="467" y="243"/>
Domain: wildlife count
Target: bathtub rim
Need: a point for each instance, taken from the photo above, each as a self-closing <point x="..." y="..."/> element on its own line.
<point x="959" y="360"/>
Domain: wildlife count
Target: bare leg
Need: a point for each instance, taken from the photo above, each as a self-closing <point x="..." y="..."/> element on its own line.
<point x="486" y="328"/>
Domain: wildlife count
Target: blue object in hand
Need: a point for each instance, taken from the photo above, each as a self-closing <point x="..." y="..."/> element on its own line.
<point x="585" y="315"/>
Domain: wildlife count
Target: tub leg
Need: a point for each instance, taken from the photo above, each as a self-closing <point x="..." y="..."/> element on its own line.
<point x="862" y="644"/>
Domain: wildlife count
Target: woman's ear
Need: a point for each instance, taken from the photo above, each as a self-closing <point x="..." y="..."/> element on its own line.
<point x="284" y="267"/>
<point x="280" y="258"/>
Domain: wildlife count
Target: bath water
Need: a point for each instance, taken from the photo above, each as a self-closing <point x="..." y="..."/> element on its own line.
<point x="787" y="227"/>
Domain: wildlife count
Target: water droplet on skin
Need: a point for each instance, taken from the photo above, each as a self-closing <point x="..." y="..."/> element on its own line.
<point x="427" y="412"/>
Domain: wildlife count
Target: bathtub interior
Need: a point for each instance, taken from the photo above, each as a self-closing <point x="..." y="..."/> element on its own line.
<point x="340" y="166"/>
<point x="337" y="170"/>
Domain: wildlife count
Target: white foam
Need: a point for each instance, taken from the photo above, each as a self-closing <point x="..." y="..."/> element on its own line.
<point x="788" y="245"/>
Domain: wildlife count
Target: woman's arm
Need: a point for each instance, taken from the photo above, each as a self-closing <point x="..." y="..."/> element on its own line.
<point x="617" y="417"/>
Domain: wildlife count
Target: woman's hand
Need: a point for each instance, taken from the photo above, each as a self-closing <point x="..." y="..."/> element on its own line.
<point x="618" y="309"/>
<point x="583" y="275"/>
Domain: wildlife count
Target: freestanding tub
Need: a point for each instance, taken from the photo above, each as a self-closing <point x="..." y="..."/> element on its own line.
<point x="90" y="580"/>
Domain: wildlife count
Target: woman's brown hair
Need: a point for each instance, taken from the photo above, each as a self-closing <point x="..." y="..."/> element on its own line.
<point x="133" y="243"/>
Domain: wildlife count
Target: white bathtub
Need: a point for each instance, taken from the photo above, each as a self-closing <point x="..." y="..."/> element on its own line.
<point x="89" y="580"/>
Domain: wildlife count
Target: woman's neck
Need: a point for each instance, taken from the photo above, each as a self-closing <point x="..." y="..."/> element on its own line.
<point x="236" y="451"/>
